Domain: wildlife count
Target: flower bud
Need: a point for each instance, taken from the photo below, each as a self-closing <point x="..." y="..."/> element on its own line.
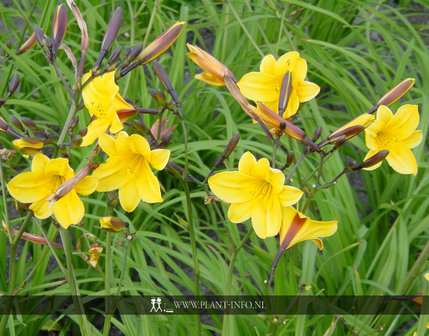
<point x="74" y="122"/>
<point x="14" y="120"/>
<point x="83" y="131"/>
<point x="158" y="96"/>
<point x="13" y="84"/>
<point x="290" y="158"/>
<point x="397" y="92"/>
<point x="29" y="123"/>
<point x="285" y="91"/>
<point x="134" y="52"/>
<point x="112" y="224"/>
<point x="76" y="141"/>
<point x="364" y="120"/>
<point x="345" y="133"/>
<point x="59" y="26"/>
<point x="49" y="42"/>
<point x="28" y="145"/>
<point x="30" y="43"/>
<point x="161" y="44"/>
<point x="114" y="55"/>
<point x="231" y="145"/>
<point x="373" y="160"/>
<point x="165" y="140"/>
<point x="110" y="35"/>
<point x="317" y="133"/>
<point x="339" y="141"/>
<point x="165" y="81"/>
<point x="40" y="36"/>
<point x="3" y="125"/>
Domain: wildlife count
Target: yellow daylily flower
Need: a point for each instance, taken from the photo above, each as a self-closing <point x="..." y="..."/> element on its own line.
<point x="102" y="99"/>
<point x="264" y="86"/>
<point x="28" y="145"/>
<point x="112" y="224"/>
<point x="396" y="133"/>
<point x="255" y="191"/>
<point x="44" y="179"/>
<point x="297" y="227"/>
<point x="127" y="169"/>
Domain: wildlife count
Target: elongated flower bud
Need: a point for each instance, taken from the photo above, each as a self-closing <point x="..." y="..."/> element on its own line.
<point x="59" y="26"/>
<point x="112" y="224"/>
<point x="114" y="56"/>
<point x="29" y="123"/>
<point x="317" y="133"/>
<point x="110" y="35"/>
<point x="161" y="44"/>
<point x="134" y="52"/>
<point x="397" y="92"/>
<point x="158" y="96"/>
<point x="373" y="160"/>
<point x="165" y="81"/>
<point x="285" y="91"/>
<point x="27" y="45"/>
<point x="15" y="122"/>
<point x="228" y="149"/>
<point x="13" y="84"/>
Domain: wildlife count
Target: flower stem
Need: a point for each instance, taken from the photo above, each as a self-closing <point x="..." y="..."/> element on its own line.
<point x="107" y="271"/>
<point x="191" y="224"/>
<point x="229" y="278"/>
<point x="71" y="279"/>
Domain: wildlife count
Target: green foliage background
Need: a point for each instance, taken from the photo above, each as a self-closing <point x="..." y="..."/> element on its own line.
<point x="356" y="51"/>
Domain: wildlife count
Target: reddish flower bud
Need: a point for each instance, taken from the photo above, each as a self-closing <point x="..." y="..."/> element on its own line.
<point x="30" y="43"/>
<point x="59" y="26"/>
<point x="373" y="160"/>
<point x="397" y="92"/>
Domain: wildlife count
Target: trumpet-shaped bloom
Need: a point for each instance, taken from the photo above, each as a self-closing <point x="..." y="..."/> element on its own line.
<point x="128" y="169"/>
<point x="44" y="179"/>
<point x="297" y="227"/>
<point x="102" y="99"/>
<point x="397" y="134"/>
<point x="214" y="71"/>
<point x="255" y="191"/>
<point x="265" y="86"/>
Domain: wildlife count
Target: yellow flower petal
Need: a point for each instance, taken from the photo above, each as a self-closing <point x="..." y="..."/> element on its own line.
<point x="286" y="62"/>
<point x="28" y="187"/>
<point x="289" y="196"/>
<point x="95" y="129"/>
<point x="384" y="115"/>
<point x="267" y="64"/>
<point x="307" y="91"/>
<point x="86" y="186"/>
<point x="69" y="209"/>
<point x="41" y="208"/>
<point x="108" y="145"/>
<point x="129" y="196"/>
<point x="247" y="163"/>
<point x="233" y="187"/>
<point x="60" y="167"/>
<point x="402" y="159"/>
<point x="119" y="103"/>
<point x="123" y="143"/>
<point x="159" y="158"/>
<point x="300" y="71"/>
<point x="292" y="106"/>
<point x="110" y="175"/>
<point x="139" y="145"/>
<point x="259" y="220"/>
<point x="240" y="212"/>
<point x="39" y="163"/>
<point x="259" y="86"/>
<point x="148" y="187"/>
<point x="115" y="124"/>
<point x="414" y="139"/>
<point x="261" y="169"/>
<point x="404" y="121"/>
<point x="210" y="79"/>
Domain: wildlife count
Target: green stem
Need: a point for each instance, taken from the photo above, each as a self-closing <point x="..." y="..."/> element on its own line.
<point x="124" y="267"/>
<point x="229" y="278"/>
<point x="107" y="270"/>
<point x="191" y="223"/>
<point x="71" y="279"/>
<point x="5" y="213"/>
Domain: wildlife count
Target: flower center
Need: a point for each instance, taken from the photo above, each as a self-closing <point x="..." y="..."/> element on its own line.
<point x="386" y="141"/>
<point x="56" y="181"/>
<point x="264" y="191"/>
<point x="136" y="164"/>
